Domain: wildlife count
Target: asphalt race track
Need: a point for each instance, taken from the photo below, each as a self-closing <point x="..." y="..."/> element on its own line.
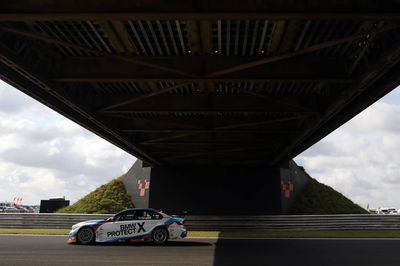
<point x="53" y="250"/>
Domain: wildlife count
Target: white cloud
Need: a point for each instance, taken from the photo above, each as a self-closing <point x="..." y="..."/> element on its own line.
<point x="43" y="154"/>
<point x="361" y="159"/>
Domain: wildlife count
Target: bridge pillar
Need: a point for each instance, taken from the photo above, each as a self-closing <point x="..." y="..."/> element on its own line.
<point x="216" y="190"/>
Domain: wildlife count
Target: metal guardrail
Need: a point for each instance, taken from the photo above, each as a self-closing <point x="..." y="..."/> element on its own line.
<point x="295" y="222"/>
<point x="221" y="223"/>
<point x="45" y="220"/>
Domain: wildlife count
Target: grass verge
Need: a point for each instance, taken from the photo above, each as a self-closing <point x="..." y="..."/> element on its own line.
<point x="262" y="234"/>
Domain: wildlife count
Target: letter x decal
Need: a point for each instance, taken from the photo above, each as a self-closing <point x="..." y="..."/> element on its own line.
<point x="141" y="228"/>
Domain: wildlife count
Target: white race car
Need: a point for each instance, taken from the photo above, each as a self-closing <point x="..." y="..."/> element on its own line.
<point x="130" y="225"/>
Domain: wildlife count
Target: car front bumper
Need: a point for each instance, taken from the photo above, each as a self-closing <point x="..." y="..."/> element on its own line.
<point x="72" y="239"/>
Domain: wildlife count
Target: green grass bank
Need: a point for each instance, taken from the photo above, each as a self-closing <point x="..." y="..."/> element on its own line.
<point x="108" y="198"/>
<point x="318" y="198"/>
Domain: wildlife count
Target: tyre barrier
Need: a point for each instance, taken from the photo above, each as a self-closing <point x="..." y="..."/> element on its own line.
<point x="221" y="223"/>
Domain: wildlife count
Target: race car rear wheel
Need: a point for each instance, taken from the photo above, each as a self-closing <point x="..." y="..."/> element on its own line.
<point x="85" y="236"/>
<point x="160" y="236"/>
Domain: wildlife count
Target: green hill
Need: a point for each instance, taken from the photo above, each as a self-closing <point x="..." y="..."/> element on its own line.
<point x="318" y="198"/>
<point x="108" y="198"/>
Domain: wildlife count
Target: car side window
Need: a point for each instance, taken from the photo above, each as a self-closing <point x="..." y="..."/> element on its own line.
<point x="117" y="218"/>
<point x="142" y="215"/>
<point x="130" y="216"/>
<point x="126" y="216"/>
<point x="155" y="215"/>
<point x="138" y="215"/>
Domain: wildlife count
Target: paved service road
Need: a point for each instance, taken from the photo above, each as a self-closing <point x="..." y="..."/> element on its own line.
<point x="53" y="250"/>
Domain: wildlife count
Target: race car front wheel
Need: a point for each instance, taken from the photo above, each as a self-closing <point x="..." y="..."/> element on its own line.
<point x="85" y="236"/>
<point x="160" y="236"/>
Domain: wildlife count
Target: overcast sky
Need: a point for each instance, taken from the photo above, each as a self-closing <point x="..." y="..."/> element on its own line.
<point x="43" y="154"/>
<point x="361" y="159"/>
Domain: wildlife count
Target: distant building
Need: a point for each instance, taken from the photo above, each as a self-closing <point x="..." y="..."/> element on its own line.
<point x="53" y="204"/>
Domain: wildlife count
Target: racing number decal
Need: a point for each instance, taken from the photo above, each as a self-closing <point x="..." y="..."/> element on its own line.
<point x="143" y="187"/>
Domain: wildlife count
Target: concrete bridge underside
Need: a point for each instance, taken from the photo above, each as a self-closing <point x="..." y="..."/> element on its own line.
<point x="204" y="83"/>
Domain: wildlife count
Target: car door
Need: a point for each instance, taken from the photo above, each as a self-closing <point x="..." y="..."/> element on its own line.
<point x="118" y="229"/>
<point x="146" y="221"/>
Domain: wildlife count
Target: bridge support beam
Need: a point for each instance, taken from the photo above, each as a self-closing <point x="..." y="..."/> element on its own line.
<point x="216" y="190"/>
